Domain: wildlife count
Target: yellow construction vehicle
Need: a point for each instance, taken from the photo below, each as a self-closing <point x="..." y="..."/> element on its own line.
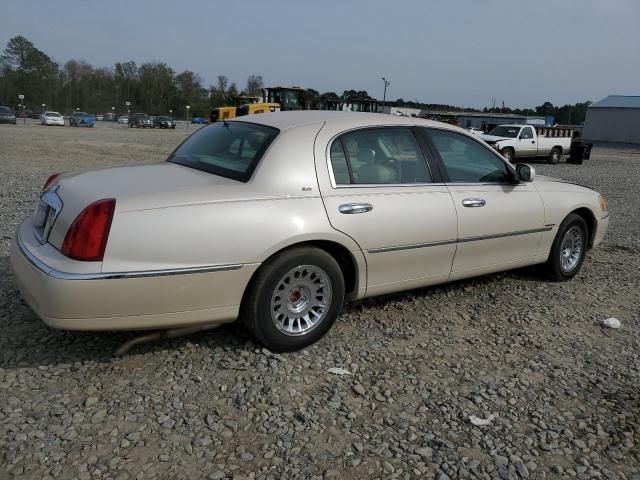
<point x="253" y="108"/>
<point x="274" y="100"/>
<point x="289" y="98"/>
<point x="225" y="113"/>
<point x="222" y="113"/>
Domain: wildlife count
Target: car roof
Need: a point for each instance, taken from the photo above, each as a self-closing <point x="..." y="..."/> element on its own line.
<point x="290" y="119"/>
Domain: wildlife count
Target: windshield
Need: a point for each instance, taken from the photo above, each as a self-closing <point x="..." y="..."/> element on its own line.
<point x="5" y="110"/>
<point x="162" y="119"/>
<point x="288" y="99"/>
<point x="81" y="114"/>
<point x="502" y="131"/>
<point x="52" y="114"/>
<point x="228" y="149"/>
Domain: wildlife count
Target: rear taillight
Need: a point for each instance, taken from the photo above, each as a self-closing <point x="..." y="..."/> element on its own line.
<point x="50" y="180"/>
<point x="87" y="237"/>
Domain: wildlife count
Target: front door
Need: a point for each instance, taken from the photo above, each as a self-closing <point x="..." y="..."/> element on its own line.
<point x="379" y="189"/>
<point x="527" y="143"/>
<point x="500" y="221"/>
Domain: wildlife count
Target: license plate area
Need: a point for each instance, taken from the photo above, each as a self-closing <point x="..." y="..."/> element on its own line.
<point x="46" y="213"/>
<point x="42" y="213"/>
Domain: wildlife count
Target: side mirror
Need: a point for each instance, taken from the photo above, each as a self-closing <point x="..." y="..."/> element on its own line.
<point x="525" y="173"/>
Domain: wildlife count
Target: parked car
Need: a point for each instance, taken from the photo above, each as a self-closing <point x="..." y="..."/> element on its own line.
<point x="7" y="115"/>
<point x="365" y="204"/>
<point x="81" y="119"/>
<point x="100" y="117"/>
<point x="164" y="122"/>
<point x="123" y="120"/>
<point x="52" y="118"/>
<point x="199" y="120"/>
<point x="475" y="131"/>
<point x="140" y="120"/>
<point x="521" y="141"/>
<point x="37" y="115"/>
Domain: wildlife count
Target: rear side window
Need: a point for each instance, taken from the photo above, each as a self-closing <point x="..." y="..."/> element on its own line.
<point x="466" y="160"/>
<point x="228" y="149"/>
<point x="378" y="156"/>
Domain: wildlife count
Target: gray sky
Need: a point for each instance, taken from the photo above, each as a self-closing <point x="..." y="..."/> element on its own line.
<point x="459" y="52"/>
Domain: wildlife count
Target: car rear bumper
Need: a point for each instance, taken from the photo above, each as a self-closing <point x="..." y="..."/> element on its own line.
<point x="103" y="301"/>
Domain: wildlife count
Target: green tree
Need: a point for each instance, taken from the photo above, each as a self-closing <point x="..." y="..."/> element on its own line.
<point x="126" y="73"/>
<point x="157" y="86"/>
<point x="28" y="71"/>
<point x="254" y="86"/>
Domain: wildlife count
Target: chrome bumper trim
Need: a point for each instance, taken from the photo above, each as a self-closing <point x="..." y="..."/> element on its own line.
<point x="52" y="272"/>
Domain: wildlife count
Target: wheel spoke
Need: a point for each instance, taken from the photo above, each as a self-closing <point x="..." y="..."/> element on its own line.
<point x="301" y="300"/>
<point x="571" y="249"/>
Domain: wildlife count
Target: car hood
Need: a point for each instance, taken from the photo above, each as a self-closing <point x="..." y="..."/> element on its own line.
<point x="144" y="187"/>
<point x="546" y="183"/>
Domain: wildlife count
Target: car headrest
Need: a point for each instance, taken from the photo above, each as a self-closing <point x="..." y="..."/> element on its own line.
<point x="366" y="155"/>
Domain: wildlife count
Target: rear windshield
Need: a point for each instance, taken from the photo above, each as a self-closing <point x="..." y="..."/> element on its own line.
<point x="228" y="149"/>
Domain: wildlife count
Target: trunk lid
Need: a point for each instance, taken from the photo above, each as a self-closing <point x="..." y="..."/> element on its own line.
<point x="140" y="187"/>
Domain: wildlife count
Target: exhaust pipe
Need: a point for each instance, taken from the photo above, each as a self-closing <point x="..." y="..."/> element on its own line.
<point x="161" y="335"/>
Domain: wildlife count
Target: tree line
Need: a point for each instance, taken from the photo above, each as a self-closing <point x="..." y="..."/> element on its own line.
<point x="152" y="87"/>
<point x="155" y="88"/>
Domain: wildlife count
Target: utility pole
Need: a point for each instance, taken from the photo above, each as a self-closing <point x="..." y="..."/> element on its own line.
<point x="384" y="95"/>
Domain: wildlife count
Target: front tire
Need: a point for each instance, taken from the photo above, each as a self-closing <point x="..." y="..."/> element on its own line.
<point x="508" y="153"/>
<point x="294" y="299"/>
<point x="568" y="250"/>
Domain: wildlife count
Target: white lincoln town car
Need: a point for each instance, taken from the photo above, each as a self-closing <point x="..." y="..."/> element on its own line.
<point x="278" y="219"/>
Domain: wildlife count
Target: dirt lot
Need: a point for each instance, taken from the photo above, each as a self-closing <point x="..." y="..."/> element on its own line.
<point x="563" y="393"/>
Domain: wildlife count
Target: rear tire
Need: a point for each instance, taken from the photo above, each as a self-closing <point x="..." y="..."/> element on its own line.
<point x="555" y="155"/>
<point x="568" y="250"/>
<point x="294" y="299"/>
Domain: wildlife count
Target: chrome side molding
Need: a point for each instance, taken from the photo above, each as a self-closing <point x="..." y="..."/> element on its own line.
<point x="52" y="272"/>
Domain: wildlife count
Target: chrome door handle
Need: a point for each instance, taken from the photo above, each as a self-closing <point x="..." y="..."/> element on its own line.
<point x="352" y="208"/>
<point x="473" y="202"/>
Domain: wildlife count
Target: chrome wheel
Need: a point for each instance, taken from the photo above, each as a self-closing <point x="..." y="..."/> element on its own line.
<point x="571" y="249"/>
<point x="301" y="300"/>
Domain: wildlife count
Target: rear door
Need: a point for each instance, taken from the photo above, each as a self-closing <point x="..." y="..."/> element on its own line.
<point x="378" y="188"/>
<point x="500" y="221"/>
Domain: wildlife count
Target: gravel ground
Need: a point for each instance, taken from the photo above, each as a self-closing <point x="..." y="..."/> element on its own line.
<point x="560" y="393"/>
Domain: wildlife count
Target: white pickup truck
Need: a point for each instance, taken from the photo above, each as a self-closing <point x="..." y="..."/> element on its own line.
<point x="519" y="141"/>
